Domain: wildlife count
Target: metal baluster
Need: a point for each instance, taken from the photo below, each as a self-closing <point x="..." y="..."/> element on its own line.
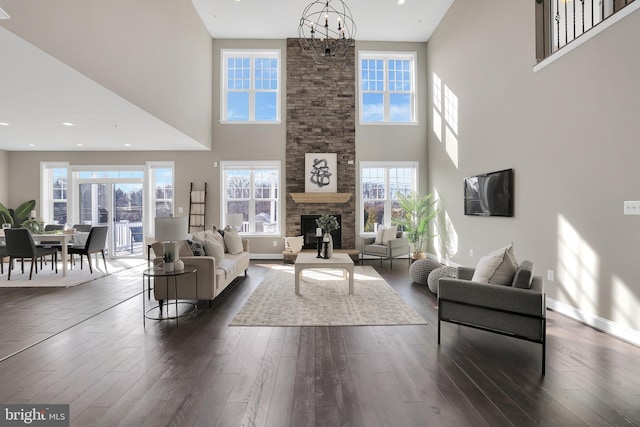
<point x="574" y="20"/>
<point x="557" y="18"/>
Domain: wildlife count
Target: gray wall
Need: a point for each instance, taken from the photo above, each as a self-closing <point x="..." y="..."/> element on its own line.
<point x="4" y="177"/>
<point x="570" y="132"/>
<point x="398" y="142"/>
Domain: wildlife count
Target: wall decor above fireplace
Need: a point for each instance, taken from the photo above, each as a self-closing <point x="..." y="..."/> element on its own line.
<point x="320" y="170"/>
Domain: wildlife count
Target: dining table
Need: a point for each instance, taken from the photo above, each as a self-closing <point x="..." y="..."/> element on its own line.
<point x="63" y="237"/>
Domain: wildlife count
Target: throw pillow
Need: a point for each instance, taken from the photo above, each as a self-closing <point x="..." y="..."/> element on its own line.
<point x="229" y="229"/>
<point x="380" y="235"/>
<point x="215" y="249"/>
<point x="506" y="270"/>
<point x="215" y="236"/>
<point x="524" y="275"/>
<point x="294" y="244"/>
<point x="196" y="248"/>
<point x="233" y="242"/>
<point x="496" y="268"/>
<point x="389" y="234"/>
<point x="199" y="236"/>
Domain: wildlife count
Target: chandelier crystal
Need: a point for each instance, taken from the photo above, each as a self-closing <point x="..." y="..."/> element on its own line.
<point x="327" y="30"/>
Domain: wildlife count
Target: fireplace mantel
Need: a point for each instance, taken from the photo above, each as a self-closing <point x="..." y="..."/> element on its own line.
<point x="320" y="197"/>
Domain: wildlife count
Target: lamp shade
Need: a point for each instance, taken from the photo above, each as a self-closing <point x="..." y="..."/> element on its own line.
<point x="234" y="220"/>
<point x="169" y="229"/>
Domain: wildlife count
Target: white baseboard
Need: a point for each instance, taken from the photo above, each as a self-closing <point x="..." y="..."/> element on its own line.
<point x="630" y="335"/>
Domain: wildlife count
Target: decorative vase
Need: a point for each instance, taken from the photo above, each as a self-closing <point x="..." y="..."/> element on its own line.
<point x="178" y="265"/>
<point x="328" y="242"/>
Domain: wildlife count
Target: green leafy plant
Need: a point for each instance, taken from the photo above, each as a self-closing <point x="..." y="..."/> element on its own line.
<point x="328" y="223"/>
<point x="33" y="225"/>
<point x="417" y="212"/>
<point x="169" y="255"/>
<point x="16" y="216"/>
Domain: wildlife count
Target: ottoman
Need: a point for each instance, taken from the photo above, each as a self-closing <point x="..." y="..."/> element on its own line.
<point x="437" y="274"/>
<point x="420" y="269"/>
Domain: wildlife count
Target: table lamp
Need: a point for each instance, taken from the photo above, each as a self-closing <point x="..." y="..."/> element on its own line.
<point x="170" y="230"/>
<point x="234" y="220"/>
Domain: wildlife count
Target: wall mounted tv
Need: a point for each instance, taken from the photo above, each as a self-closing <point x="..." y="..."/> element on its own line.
<point x="489" y="194"/>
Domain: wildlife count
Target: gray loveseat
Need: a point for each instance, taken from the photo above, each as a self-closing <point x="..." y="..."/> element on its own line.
<point x="518" y="310"/>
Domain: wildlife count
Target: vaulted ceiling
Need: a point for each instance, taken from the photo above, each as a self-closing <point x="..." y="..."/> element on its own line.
<point x="41" y="93"/>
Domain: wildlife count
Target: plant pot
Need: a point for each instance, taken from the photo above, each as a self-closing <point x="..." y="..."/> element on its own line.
<point x="418" y="255"/>
<point x="168" y="267"/>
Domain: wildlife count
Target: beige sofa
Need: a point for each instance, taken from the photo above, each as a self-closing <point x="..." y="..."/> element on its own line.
<point x="212" y="277"/>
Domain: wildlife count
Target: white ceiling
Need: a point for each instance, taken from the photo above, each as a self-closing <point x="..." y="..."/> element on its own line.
<point x="377" y="20"/>
<point x="40" y="93"/>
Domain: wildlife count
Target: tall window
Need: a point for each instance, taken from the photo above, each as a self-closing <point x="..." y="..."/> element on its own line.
<point x="387" y="87"/>
<point x="54" y="193"/>
<point x="160" y="189"/>
<point x="253" y="190"/>
<point x="250" y="86"/>
<point x="381" y="182"/>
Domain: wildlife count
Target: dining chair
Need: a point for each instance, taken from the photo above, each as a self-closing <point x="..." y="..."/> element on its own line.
<point x="20" y="245"/>
<point x="52" y="243"/>
<point x="96" y="241"/>
<point x="84" y="228"/>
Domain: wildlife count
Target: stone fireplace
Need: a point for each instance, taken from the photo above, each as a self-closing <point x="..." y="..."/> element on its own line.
<point x="308" y="231"/>
<point x="321" y="117"/>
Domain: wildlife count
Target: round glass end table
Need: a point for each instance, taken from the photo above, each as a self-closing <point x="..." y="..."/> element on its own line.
<point x="157" y="273"/>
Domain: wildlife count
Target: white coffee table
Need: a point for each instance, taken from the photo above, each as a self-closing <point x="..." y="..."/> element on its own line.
<point x="308" y="260"/>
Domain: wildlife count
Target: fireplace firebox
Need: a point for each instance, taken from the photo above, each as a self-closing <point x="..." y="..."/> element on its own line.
<point x="308" y="231"/>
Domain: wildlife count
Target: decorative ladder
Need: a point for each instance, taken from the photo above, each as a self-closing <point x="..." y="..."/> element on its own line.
<point x="197" y="203"/>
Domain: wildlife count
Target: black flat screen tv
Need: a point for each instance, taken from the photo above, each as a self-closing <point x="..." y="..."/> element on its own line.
<point x="489" y="194"/>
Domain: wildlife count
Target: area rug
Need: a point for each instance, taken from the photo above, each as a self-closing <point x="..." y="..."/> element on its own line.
<point x="324" y="300"/>
<point x="47" y="278"/>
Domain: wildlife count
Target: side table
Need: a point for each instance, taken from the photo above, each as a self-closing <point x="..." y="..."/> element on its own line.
<point x="157" y="272"/>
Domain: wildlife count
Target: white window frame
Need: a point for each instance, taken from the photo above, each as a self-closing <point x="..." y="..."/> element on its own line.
<point x="387" y="200"/>
<point x="251" y="165"/>
<point x="150" y="198"/>
<point x="252" y="54"/>
<point x="46" y="190"/>
<point x="386" y="57"/>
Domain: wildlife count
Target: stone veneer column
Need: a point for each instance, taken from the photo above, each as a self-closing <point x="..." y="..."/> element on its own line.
<point x="321" y="115"/>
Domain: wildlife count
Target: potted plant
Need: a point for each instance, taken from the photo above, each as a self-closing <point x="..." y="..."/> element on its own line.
<point x="168" y="257"/>
<point x="417" y="212"/>
<point x="328" y="223"/>
<point x="16" y="216"/>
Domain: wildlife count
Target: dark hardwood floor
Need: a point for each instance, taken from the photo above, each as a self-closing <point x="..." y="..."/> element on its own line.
<point x="86" y="346"/>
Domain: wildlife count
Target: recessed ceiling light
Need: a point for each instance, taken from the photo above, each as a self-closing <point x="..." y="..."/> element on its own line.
<point x="80" y="145"/>
<point x="68" y="124"/>
<point x="4" y="124"/>
<point x="401" y="1"/>
<point x="127" y="145"/>
<point x="31" y="145"/>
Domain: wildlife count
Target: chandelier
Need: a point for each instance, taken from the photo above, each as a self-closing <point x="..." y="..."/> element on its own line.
<point x="327" y="32"/>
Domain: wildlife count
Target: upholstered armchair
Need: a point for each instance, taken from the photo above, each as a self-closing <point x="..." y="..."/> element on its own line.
<point x="516" y="309"/>
<point x="389" y="248"/>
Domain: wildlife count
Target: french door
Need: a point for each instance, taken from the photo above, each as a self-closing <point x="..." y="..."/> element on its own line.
<point x="118" y="204"/>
